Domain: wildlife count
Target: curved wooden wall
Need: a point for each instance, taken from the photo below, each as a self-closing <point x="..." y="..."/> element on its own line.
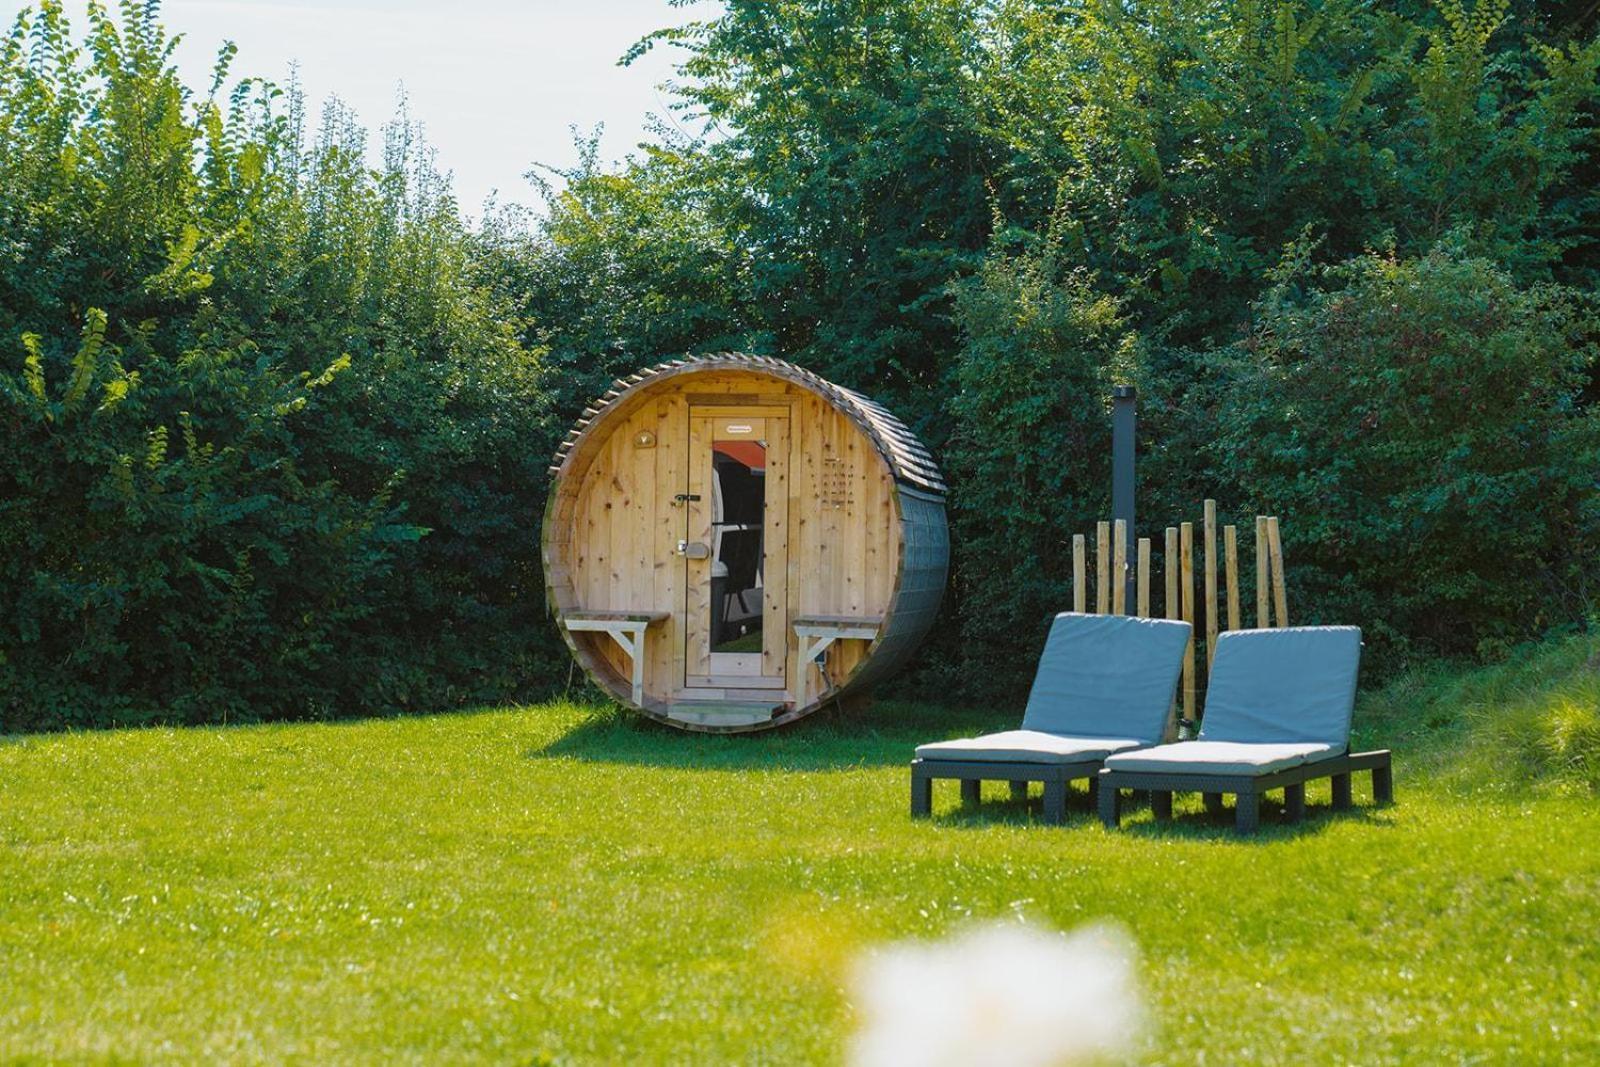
<point x="864" y="527"/>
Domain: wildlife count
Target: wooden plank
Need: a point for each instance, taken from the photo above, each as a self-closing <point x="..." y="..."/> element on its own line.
<point x="802" y="528"/>
<point x="1143" y="586"/>
<point x="1186" y="551"/>
<point x="836" y="621"/>
<point x="1170" y="561"/>
<point x="775" y="552"/>
<point x="853" y="449"/>
<point x="1211" y="582"/>
<point x="646" y="617"/>
<point x="1173" y="611"/>
<point x="697" y="573"/>
<point x="1230" y="552"/>
<point x="748" y="400"/>
<point x="1119" y="568"/>
<point x="1102" y="568"/>
<point x="1280" y="591"/>
<point x="664" y="644"/>
<point x="1080" y="574"/>
<point x="1263" y="582"/>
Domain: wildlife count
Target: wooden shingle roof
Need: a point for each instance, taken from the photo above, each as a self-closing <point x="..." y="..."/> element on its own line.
<point x="907" y="457"/>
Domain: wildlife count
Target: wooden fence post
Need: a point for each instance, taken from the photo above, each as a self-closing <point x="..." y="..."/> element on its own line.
<point x="1263" y="581"/>
<point x="1211" y="582"/>
<point x="1119" y="568"/>
<point x="1280" y="592"/>
<point x="1230" y="541"/>
<point x="1186" y="536"/>
<point x="1102" y="568"/>
<point x="1143" y="607"/>
<point x="1173" y="609"/>
<point x="1080" y="575"/>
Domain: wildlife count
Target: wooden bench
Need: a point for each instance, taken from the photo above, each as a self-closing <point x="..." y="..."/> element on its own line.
<point x="627" y="628"/>
<point x="818" y="632"/>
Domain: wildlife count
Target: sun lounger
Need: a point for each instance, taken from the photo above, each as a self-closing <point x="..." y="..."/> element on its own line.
<point x="1277" y="715"/>
<point x="1104" y="684"/>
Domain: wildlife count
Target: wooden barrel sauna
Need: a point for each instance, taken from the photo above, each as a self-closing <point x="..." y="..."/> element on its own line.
<point x="732" y="542"/>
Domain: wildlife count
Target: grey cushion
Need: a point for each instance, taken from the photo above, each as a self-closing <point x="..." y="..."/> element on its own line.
<point x="1025" y="746"/>
<point x="1291" y="685"/>
<point x="1107" y="676"/>
<point x="1221" y="757"/>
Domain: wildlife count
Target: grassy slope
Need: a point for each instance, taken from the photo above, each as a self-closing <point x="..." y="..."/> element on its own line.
<point x="562" y="882"/>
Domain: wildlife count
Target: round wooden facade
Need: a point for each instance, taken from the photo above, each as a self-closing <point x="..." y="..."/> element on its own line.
<point x="732" y="542"/>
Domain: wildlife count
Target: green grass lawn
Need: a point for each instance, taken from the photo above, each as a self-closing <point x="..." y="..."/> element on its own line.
<point x="564" y="883"/>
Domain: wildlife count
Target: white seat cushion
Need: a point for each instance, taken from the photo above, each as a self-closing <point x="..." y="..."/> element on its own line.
<point x="1025" y="746"/>
<point x="1222" y="757"/>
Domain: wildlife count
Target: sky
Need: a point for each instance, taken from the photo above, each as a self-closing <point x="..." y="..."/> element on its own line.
<point x="497" y="84"/>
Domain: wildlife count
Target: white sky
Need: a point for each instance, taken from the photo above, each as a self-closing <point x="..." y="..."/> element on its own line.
<point x="496" y="83"/>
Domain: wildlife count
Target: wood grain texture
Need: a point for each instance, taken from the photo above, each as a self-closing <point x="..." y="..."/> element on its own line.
<point x="835" y="542"/>
<point x="1102" y="568"/>
<point x="1211" y="582"/>
<point x="1186" y="594"/>
<point x="1280" y="589"/>
<point x="1143" y="586"/>
<point x="1263" y="580"/>
<point x="1230" y="552"/>
<point x="1119" y="568"/>
<point x="1080" y="574"/>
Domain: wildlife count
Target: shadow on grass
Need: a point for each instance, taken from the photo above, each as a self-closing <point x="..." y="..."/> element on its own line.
<point x="1083" y="811"/>
<point x="1201" y="824"/>
<point x="1006" y="811"/>
<point x="885" y="734"/>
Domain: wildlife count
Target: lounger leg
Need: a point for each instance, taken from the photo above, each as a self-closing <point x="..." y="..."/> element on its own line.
<point x="969" y="792"/>
<point x="1055" y="800"/>
<point x="1214" y="803"/>
<point x="1294" y="801"/>
<point x="1110" y="805"/>
<point x="1383" y="784"/>
<point x="1247" y="813"/>
<point x="1019" y="790"/>
<point x="1341" y="792"/>
<point x="1161" y="804"/>
<point x="921" y="794"/>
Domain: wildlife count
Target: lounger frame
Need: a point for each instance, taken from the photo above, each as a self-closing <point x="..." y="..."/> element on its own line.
<point x="973" y="773"/>
<point x="1248" y="788"/>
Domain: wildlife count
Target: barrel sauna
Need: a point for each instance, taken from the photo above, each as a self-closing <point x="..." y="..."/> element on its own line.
<point x="732" y="542"/>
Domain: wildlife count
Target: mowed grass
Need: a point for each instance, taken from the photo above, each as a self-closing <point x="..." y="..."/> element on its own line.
<point x="566" y="884"/>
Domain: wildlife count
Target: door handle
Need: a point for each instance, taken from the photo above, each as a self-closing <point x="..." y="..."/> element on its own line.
<point x="678" y="501"/>
<point x="694" y="550"/>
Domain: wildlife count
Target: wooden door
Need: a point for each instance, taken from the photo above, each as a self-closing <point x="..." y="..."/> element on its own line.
<point x="736" y="551"/>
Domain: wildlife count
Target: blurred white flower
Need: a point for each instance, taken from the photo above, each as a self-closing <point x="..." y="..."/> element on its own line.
<point x="1004" y="994"/>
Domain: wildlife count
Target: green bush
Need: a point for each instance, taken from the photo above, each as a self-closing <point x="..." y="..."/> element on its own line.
<point x="1029" y="452"/>
<point x="1419" y="423"/>
<point x="271" y="447"/>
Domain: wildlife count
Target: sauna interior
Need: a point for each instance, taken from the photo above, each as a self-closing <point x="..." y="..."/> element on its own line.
<point x="732" y="542"/>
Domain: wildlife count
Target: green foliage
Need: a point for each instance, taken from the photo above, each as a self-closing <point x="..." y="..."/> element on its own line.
<point x="272" y="449"/>
<point x="278" y="421"/>
<point x="1027" y="456"/>
<point x="858" y="179"/>
<point x="1189" y="142"/>
<point x="1419" y="419"/>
